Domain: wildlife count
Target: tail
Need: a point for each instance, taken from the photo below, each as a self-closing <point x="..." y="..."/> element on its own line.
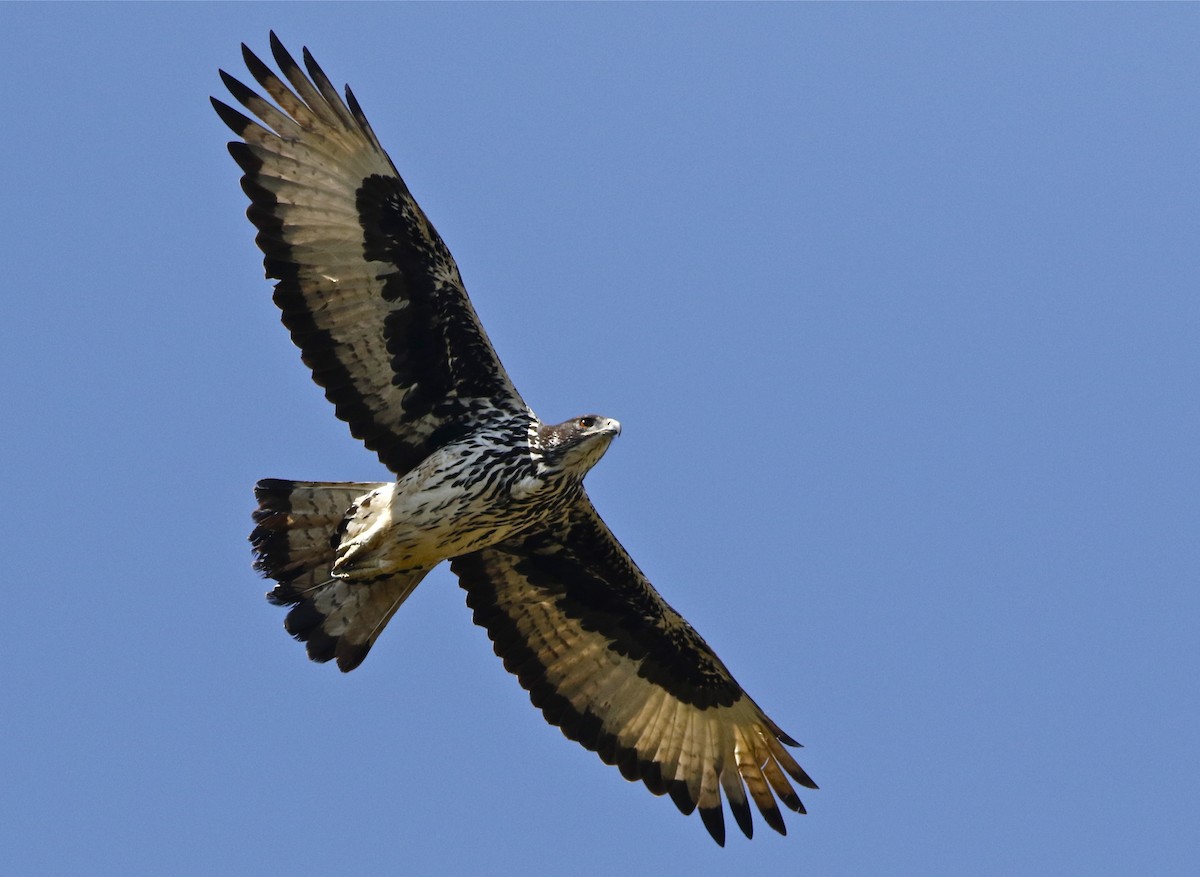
<point x="295" y="541"/>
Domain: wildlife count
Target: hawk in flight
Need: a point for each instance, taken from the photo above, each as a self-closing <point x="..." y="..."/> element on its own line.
<point x="375" y="303"/>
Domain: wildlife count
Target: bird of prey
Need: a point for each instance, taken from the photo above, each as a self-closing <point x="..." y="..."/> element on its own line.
<point x="374" y="301"/>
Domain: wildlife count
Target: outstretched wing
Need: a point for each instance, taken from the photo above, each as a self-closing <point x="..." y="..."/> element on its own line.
<point x="618" y="670"/>
<point x="370" y="293"/>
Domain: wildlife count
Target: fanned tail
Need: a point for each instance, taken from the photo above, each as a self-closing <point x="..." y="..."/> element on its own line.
<point x="298" y="525"/>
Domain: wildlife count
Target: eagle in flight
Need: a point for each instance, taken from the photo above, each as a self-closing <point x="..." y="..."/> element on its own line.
<point x="375" y="303"/>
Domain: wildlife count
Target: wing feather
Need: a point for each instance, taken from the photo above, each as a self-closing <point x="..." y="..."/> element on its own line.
<point x="735" y="794"/>
<point x="618" y="670"/>
<point x="756" y="784"/>
<point x="370" y="293"/>
<point x="281" y="124"/>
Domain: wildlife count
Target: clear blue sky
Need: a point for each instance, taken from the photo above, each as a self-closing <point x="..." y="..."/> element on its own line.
<point x="898" y="307"/>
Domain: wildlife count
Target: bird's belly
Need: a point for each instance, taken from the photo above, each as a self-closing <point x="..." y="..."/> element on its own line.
<point x="446" y="522"/>
<point x="437" y="512"/>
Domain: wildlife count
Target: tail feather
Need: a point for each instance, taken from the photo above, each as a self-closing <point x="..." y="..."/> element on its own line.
<point x="343" y="618"/>
<point x="298" y="527"/>
<point x="295" y="537"/>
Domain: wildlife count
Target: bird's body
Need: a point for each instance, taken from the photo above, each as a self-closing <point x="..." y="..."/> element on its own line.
<point x="481" y="489"/>
<point x="375" y="302"/>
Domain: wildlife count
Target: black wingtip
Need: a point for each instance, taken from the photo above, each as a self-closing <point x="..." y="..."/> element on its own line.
<point x="258" y="68"/>
<point x="244" y="156"/>
<point x="352" y="103"/>
<point x="792" y="801"/>
<point x="774" y="819"/>
<point x="741" y="815"/>
<point x="800" y="775"/>
<point x="714" y="821"/>
<point x="311" y="65"/>
<point x="282" y="56"/>
<point x="241" y="92"/>
<point x="253" y="62"/>
<point x="236" y="122"/>
<point x="652" y="777"/>
<point x="682" y="797"/>
<point x="786" y="740"/>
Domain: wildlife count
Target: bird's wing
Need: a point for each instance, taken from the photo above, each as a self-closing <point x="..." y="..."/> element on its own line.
<point x="370" y="293"/>
<point x="618" y="670"/>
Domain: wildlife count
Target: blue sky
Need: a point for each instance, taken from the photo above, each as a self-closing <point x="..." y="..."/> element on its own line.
<point x="898" y="308"/>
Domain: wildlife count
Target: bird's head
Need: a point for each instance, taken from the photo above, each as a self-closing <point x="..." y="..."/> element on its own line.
<point x="579" y="443"/>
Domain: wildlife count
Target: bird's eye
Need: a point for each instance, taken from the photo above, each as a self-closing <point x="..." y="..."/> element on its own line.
<point x="587" y="422"/>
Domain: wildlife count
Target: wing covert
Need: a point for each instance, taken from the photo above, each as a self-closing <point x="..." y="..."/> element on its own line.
<point x="366" y="286"/>
<point x="609" y="662"/>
